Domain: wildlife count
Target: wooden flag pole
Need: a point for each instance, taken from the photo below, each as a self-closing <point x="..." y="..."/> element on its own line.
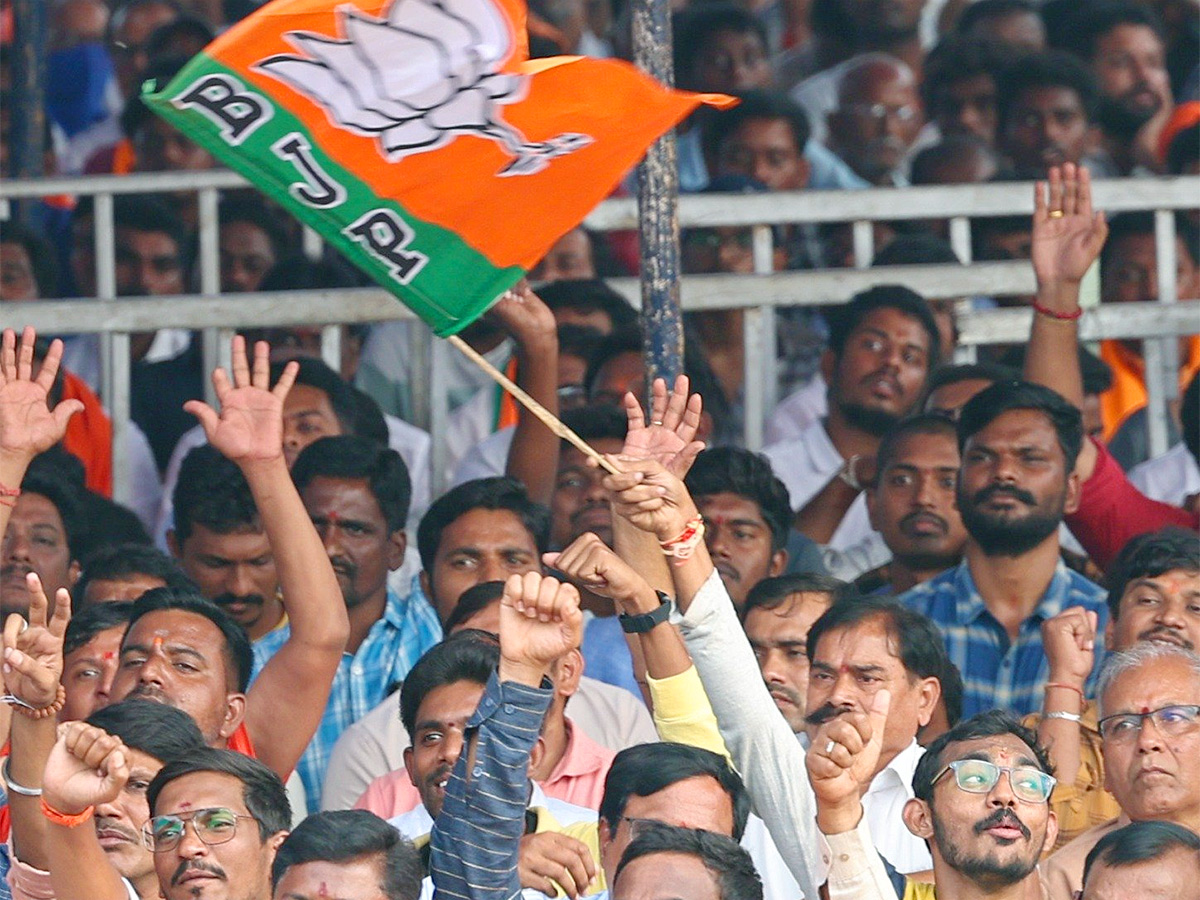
<point x="547" y="418"/>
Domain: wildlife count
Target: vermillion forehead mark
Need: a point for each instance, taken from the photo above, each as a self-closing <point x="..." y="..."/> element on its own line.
<point x="108" y="654"/>
<point x="157" y="642"/>
<point x="333" y="517"/>
<point x="323" y="891"/>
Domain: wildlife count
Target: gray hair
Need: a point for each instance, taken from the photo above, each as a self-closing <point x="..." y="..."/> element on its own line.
<point x="1141" y="654"/>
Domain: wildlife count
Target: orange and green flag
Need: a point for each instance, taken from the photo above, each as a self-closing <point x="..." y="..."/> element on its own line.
<point x="418" y="138"/>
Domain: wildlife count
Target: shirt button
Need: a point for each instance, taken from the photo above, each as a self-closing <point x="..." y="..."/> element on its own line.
<point x="477" y="772"/>
<point x="845" y="857"/>
<point x="508" y="708"/>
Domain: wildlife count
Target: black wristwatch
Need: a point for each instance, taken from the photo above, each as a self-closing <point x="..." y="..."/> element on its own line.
<point x="643" y="623"/>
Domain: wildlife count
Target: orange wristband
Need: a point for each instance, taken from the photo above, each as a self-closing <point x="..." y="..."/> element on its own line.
<point x="63" y="819"/>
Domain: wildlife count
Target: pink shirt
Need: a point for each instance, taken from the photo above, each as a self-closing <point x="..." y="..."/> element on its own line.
<point x="578" y="778"/>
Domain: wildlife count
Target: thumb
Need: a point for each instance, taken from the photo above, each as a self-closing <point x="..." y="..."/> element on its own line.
<point x="206" y="414"/>
<point x="878" y="713"/>
<point x="64" y="410"/>
<point x="551" y="559"/>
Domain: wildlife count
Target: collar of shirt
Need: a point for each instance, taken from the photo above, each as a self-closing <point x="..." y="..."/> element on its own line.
<point x="898" y="772"/>
<point x="969" y="605"/>
<point x="582" y="756"/>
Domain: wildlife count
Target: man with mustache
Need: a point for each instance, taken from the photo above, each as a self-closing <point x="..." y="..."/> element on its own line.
<point x="882" y="346"/>
<point x="1047" y="113"/>
<point x="911" y="502"/>
<point x="1019" y="442"/>
<point x="93" y="861"/>
<point x="1153" y="597"/>
<point x="1150" y="731"/>
<point x="356" y="493"/>
<point x="981" y="803"/>
<point x="1124" y="44"/>
<point x="44" y="525"/>
<point x="877" y="118"/>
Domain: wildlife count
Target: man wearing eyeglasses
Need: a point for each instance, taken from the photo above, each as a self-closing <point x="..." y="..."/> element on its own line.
<point x="1150" y="733"/>
<point x="982" y="794"/>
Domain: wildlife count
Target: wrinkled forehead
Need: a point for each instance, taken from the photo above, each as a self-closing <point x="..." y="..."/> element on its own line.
<point x="201" y="790"/>
<point x="176" y="627"/>
<point x="1001" y="749"/>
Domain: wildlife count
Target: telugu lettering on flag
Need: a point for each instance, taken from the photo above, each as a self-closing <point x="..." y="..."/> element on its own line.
<point x="418" y="138"/>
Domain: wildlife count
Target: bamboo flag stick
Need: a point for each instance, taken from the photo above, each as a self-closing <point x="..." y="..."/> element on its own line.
<point x="550" y="420"/>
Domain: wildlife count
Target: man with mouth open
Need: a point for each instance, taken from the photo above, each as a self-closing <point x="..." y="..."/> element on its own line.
<point x="1019" y="442"/>
<point x="982" y="803"/>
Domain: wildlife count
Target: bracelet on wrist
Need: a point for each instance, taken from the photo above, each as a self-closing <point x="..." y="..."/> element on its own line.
<point x="13" y="786"/>
<point x="66" y="820"/>
<point x="1066" y="687"/>
<point x="683" y="546"/>
<point x="36" y="712"/>
<point x="1055" y="314"/>
<point x="1062" y="714"/>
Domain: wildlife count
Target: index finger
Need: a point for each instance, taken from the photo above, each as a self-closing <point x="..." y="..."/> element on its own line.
<point x="38" y="604"/>
<point x="62" y="613"/>
<point x="49" y="371"/>
<point x="633" y="412"/>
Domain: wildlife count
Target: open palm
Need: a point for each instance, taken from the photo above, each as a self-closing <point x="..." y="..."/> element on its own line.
<point x="670" y="437"/>
<point x="27" y="424"/>
<point x="1065" y="246"/>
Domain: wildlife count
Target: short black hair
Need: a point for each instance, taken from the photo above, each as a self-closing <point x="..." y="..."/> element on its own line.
<point x="252" y="210"/>
<point x="262" y="791"/>
<point x="596" y="422"/>
<point x="982" y="10"/>
<point x="724" y="858"/>
<point x="238" y="654"/>
<point x="949" y="150"/>
<point x="1005" y="396"/>
<point x="316" y="374"/>
<point x="992" y="723"/>
<point x="296" y="272"/>
<point x="1142" y="224"/>
<point x="357" y="458"/>
<point x="158" y="730"/>
<point x="772" y="593"/>
<point x="499" y="493"/>
<point x="745" y="473"/>
<point x="93" y="619"/>
<point x="117" y="561"/>
<point x="158" y="74"/>
<point x="1051" y="69"/>
<point x="954" y="59"/>
<point x="646" y="769"/>
<point x="844" y="319"/>
<point x="979" y="371"/>
<point x="913" y="638"/>
<point x="1148" y="556"/>
<point x="149" y="214"/>
<point x="343" y="835"/>
<point x="468" y="655"/>
<point x="952" y="692"/>
<point x="369" y="422"/>
<point x="42" y="260"/>
<point x="588" y="295"/>
<point x="183" y="27"/>
<point x="66" y="497"/>
<point x="916" y="249"/>
<point x="212" y="492"/>
<point x="922" y="423"/>
<point x="1139" y="842"/>
<point x="625" y="340"/>
<point x="756" y="105"/>
<point x="1091" y="22"/>
<point x="109" y="524"/>
<point x="474" y="599"/>
<point x="695" y="26"/>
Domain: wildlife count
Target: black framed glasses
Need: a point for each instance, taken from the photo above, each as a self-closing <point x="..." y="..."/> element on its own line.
<point x="1170" y="720"/>
<point x="214" y="825"/>
<point x="978" y="776"/>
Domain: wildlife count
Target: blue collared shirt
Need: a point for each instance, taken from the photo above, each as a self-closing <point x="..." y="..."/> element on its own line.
<point x="407" y="628"/>
<point x="997" y="672"/>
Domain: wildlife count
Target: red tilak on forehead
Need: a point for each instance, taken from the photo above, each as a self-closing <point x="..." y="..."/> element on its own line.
<point x="1145" y="709"/>
<point x="333" y="518"/>
<point x="108" y="654"/>
<point x="158" y="642"/>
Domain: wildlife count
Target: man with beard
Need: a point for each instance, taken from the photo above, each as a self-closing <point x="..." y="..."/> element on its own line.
<point x="1019" y="442"/>
<point x="1124" y="44"/>
<point x="911" y="501"/>
<point x="357" y="494"/>
<point x="1047" y="112"/>
<point x="982" y="792"/>
<point x="877" y="118"/>
<point x="221" y="544"/>
<point x="1150" y="727"/>
<point x="1153" y="597"/>
<point x="882" y="346"/>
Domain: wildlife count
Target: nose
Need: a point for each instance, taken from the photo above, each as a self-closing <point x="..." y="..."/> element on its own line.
<point x="714" y="540"/>
<point x="1171" y="614"/>
<point x="927" y="493"/>
<point x="331" y="537"/>
<point x="108" y="810"/>
<point x="190" y="846"/>
<point x="240" y="583"/>
<point x="594" y="492"/>
<point x="451" y="747"/>
<point x="16" y="543"/>
<point x="1150" y="739"/>
<point x="844" y="691"/>
<point x="1002" y="793"/>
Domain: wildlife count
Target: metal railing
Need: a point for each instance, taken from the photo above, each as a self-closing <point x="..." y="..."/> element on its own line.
<point x="759" y="294"/>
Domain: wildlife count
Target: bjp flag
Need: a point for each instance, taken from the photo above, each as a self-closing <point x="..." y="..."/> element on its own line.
<point x="418" y="138"/>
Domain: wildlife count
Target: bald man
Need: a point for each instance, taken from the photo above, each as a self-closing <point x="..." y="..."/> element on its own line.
<point x="877" y="118"/>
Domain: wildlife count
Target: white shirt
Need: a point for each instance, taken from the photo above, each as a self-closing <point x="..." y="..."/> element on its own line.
<point x="805" y="465"/>
<point x="1170" y="477"/>
<point x="798" y="410"/>
<point x="487" y="459"/>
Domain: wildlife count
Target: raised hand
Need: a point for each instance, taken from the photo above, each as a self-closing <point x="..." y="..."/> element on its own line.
<point x="33" y="651"/>
<point x="650" y="497"/>
<point x="522" y="314"/>
<point x="540" y="620"/>
<point x="87" y="767"/>
<point x="1065" y="246"/>
<point x="589" y="562"/>
<point x="1069" y="639"/>
<point x="550" y="858"/>
<point x="841" y="762"/>
<point x="27" y="424"/>
<point x="249" y="427"/>
<point x="670" y="438"/>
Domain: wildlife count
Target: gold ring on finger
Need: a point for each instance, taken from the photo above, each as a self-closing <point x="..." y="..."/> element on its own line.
<point x="1056" y="214"/>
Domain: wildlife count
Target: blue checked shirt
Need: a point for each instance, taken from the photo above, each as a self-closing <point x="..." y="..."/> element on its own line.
<point x="997" y="673"/>
<point x="409" y="626"/>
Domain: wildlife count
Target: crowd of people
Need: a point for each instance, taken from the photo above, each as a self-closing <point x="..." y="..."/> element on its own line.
<point x="938" y="640"/>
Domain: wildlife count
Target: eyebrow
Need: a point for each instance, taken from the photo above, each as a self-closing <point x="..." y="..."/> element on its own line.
<point x="172" y="649"/>
<point x="858" y="670"/>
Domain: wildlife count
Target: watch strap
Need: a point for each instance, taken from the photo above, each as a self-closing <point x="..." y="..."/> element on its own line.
<point x="643" y="623"/>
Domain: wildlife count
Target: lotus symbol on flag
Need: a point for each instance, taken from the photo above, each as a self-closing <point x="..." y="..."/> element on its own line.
<point x="427" y="72"/>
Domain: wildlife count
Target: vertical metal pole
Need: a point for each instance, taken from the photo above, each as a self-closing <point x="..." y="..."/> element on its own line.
<point x="331" y="347"/>
<point x="960" y="241"/>
<point x="27" y="118"/>
<point x="439" y="411"/>
<point x="864" y="243"/>
<point x="114" y="350"/>
<point x="210" y="284"/>
<point x="1162" y="386"/>
<point x="658" y="207"/>
<point x="759" y="378"/>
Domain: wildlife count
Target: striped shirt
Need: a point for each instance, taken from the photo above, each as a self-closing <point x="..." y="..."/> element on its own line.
<point x="999" y="673"/>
